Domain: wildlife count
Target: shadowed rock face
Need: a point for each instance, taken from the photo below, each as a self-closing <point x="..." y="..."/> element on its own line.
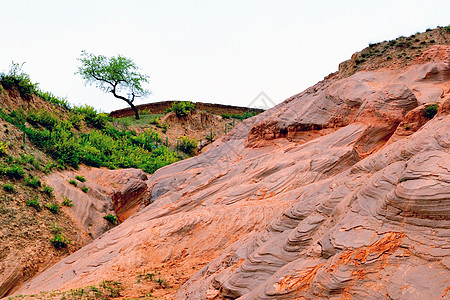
<point x="319" y="197"/>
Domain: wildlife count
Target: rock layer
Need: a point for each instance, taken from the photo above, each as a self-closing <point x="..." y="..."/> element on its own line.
<point x="318" y="197"/>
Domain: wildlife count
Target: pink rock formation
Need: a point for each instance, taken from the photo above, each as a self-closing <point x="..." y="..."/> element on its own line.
<point x="319" y="197"/>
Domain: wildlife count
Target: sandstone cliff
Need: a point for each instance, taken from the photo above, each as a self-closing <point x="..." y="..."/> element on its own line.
<point x="341" y="190"/>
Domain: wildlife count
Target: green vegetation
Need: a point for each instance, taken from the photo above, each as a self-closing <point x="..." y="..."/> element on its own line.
<point x="73" y="182"/>
<point x="16" y="78"/>
<point x="187" y="145"/>
<point x="107" y="147"/>
<point x="85" y="189"/>
<point x="13" y="171"/>
<point x="59" y="242"/>
<point x="113" y="288"/>
<point x="32" y="181"/>
<point x="247" y="114"/>
<point x="58" y="135"/>
<point x="431" y="110"/>
<point x="34" y="203"/>
<point x="47" y="190"/>
<point x="182" y="108"/>
<point x="80" y="178"/>
<point x="3" y="148"/>
<point x="111" y="219"/>
<point x="66" y="201"/>
<point x="52" y="207"/>
<point x="9" y="188"/>
<point x="113" y="75"/>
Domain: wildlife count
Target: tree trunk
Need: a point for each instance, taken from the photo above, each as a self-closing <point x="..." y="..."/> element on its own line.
<point x="136" y="112"/>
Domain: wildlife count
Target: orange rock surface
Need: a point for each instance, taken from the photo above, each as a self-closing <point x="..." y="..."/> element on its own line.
<point x="323" y="196"/>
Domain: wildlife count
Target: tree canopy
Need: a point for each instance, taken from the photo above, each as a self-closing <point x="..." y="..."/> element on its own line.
<point x="117" y="75"/>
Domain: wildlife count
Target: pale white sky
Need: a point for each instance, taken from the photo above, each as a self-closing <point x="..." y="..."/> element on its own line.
<point x="209" y="51"/>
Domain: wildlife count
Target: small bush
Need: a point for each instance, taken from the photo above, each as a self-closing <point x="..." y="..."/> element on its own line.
<point x="58" y="241"/>
<point x="155" y="121"/>
<point x="112" y="287"/>
<point x="9" y="188"/>
<point x="431" y="110"/>
<point x="33" y="182"/>
<point x="34" y="203"/>
<point x="73" y="182"/>
<point x="47" y="190"/>
<point x="55" y="229"/>
<point x="182" y="108"/>
<point x="80" y="178"/>
<point x="17" y="78"/>
<point x="66" y="201"/>
<point x="111" y="219"/>
<point x="187" y="145"/>
<point x="14" y="172"/>
<point x="85" y="189"/>
<point x="3" y="148"/>
<point x="53" y="208"/>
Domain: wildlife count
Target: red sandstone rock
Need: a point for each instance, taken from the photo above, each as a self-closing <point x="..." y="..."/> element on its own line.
<point x="305" y="200"/>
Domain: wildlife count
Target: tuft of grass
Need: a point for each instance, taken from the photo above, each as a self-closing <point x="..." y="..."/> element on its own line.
<point x="111" y="219"/>
<point x="9" y="188"/>
<point x="431" y="110"/>
<point x="66" y="201"/>
<point x="47" y="190"/>
<point x="34" y="203"/>
<point x="14" y="172"/>
<point x="59" y="242"/>
<point x="53" y="208"/>
<point x="73" y="182"/>
<point x="4" y="147"/>
<point x="187" y="145"/>
<point x="113" y="288"/>
<point x="32" y="181"/>
<point x="80" y="178"/>
<point x="85" y="189"/>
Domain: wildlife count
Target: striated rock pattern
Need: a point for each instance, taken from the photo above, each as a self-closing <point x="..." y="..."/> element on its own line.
<point x="119" y="192"/>
<point x="323" y="196"/>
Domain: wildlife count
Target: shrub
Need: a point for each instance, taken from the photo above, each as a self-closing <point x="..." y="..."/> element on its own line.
<point x="47" y="190"/>
<point x="9" y="188"/>
<point x="49" y="97"/>
<point x="53" y="208"/>
<point x="148" y="139"/>
<point x="3" y="148"/>
<point x="58" y="241"/>
<point x="17" y="78"/>
<point x="32" y="181"/>
<point x="55" y="229"/>
<point x="67" y="201"/>
<point x="96" y="120"/>
<point x="187" y="145"/>
<point x="34" y="203"/>
<point x="182" y="108"/>
<point x="431" y="110"/>
<point x="112" y="287"/>
<point x="111" y="219"/>
<point x="73" y="182"/>
<point x="80" y="178"/>
<point x="85" y="189"/>
<point x="25" y="159"/>
<point x="14" y="172"/>
<point x="154" y="121"/>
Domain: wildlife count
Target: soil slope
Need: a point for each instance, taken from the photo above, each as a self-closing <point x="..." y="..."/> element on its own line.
<point x="340" y="191"/>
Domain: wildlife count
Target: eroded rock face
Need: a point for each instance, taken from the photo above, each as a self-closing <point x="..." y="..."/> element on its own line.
<point x="308" y="199"/>
<point x="119" y="192"/>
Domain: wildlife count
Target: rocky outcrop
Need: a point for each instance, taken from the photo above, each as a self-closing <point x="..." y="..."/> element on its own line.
<point x="319" y="197"/>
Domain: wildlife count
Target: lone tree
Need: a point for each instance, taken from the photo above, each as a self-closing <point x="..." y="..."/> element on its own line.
<point x="114" y="75"/>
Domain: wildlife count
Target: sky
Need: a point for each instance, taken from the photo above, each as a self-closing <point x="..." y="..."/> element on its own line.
<point x="226" y="52"/>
